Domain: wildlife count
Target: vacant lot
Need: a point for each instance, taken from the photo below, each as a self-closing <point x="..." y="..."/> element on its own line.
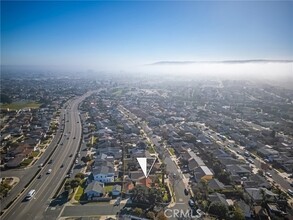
<point x="20" y="105"/>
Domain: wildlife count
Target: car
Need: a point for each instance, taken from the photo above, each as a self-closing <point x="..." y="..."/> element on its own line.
<point x="291" y="184"/>
<point x="51" y="161"/>
<point x="268" y="174"/>
<point x="30" y="194"/>
<point x="77" y="122"/>
<point x="61" y="143"/>
<point x="191" y="203"/>
<point x="186" y="192"/>
<point x="49" y="171"/>
<point x="74" y="137"/>
<point x="41" y="165"/>
<point x="70" y="155"/>
<point x="290" y="192"/>
<point x="76" y="161"/>
<point x="67" y="138"/>
<point x="40" y="176"/>
<point x="62" y="166"/>
<point x="250" y="160"/>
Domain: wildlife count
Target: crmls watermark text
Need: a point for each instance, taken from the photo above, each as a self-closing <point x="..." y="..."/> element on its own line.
<point x="179" y="213"/>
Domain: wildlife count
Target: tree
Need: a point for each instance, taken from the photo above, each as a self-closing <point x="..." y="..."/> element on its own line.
<point x="143" y="195"/>
<point x="204" y="187"/>
<point x="260" y="172"/>
<point x="80" y="175"/>
<point x="151" y="215"/>
<point x="67" y="186"/>
<point x="224" y="177"/>
<point x="219" y="209"/>
<point x="138" y="211"/>
<point x="238" y="214"/>
<point x="86" y="159"/>
<point x="75" y="182"/>
<point x="161" y="216"/>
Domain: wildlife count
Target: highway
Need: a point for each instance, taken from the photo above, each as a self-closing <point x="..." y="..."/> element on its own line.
<point x="47" y="185"/>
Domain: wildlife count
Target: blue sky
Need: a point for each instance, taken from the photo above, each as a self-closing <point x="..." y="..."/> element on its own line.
<point x="103" y="35"/>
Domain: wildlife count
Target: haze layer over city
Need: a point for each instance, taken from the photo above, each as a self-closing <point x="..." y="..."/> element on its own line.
<point x="146" y="110"/>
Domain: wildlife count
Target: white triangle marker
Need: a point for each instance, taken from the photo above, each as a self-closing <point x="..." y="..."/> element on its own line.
<point x="143" y="164"/>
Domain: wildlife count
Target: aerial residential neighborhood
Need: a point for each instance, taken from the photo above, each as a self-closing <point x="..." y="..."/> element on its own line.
<point x="200" y="161"/>
<point x="146" y="110"/>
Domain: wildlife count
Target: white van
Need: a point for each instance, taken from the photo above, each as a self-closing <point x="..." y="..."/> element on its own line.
<point x="30" y="194"/>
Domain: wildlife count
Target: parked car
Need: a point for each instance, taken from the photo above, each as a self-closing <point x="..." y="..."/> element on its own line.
<point x="40" y="176"/>
<point x="41" y="165"/>
<point x="49" y="171"/>
<point x="290" y="192"/>
<point x="51" y="161"/>
<point x="186" y="192"/>
<point x="62" y="166"/>
<point x="191" y="203"/>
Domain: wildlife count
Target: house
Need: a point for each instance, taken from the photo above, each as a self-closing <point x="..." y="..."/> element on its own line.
<point x="258" y="194"/>
<point x="202" y="172"/>
<point x="238" y="170"/>
<point x="16" y="161"/>
<point x="217" y="197"/>
<point x="116" y="191"/>
<point x="215" y="184"/>
<point x="94" y="189"/>
<point x="268" y="153"/>
<point x="104" y="173"/>
<point x="246" y="209"/>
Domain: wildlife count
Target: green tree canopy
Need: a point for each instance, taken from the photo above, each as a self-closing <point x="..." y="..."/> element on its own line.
<point x="219" y="209"/>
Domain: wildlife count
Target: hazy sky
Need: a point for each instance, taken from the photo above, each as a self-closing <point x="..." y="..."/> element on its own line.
<point x="105" y="35"/>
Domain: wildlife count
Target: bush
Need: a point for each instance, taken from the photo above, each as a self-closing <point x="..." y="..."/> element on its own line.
<point x="138" y="211"/>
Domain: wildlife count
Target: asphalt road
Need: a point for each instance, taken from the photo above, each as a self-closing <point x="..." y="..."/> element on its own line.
<point x="25" y="175"/>
<point x="48" y="184"/>
<point x="276" y="178"/>
<point x="177" y="183"/>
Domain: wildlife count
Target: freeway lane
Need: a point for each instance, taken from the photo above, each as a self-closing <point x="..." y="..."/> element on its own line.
<point x="25" y="175"/>
<point x="47" y="185"/>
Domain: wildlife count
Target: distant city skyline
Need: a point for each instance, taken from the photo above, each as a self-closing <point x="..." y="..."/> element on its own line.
<point x="120" y="35"/>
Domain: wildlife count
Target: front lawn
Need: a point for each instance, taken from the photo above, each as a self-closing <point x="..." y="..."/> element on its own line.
<point x="108" y="188"/>
<point x="35" y="153"/>
<point x="26" y="162"/>
<point x="172" y="151"/>
<point x="79" y="193"/>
